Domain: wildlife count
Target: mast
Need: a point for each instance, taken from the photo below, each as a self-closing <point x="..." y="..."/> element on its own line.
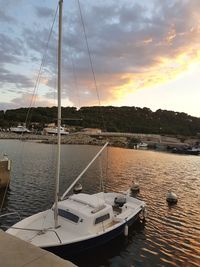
<point x="59" y="115"/>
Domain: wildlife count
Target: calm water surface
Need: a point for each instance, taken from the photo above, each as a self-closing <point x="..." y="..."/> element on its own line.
<point x="170" y="235"/>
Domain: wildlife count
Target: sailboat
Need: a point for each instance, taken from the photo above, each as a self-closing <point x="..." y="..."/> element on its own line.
<point x="79" y="221"/>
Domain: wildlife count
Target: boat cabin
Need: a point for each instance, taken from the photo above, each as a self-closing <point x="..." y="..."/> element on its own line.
<point x="89" y="210"/>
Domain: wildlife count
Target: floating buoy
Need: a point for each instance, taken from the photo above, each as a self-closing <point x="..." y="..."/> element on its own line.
<point x="171" y="198"/>
<point x="135" y="187"/>
<point x="126" y="230"/>
<point x="77" y="188"/>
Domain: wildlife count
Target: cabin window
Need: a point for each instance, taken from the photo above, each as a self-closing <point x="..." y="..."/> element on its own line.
<point x="102" y="218"/>
<point x="68" y="215"/>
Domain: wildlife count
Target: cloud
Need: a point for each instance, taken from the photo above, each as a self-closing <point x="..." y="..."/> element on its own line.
<point x="42" y="11"/>
<point x="11" y="49"/>
<point x="6" y="105"/>
<point x="132" y="46"/>
<point x="8" y="78"/>
<point x="25" y="100"/>
<point x="5" y="18"/>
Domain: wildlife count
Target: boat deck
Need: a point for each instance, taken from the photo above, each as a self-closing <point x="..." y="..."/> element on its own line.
<point x="77" y="221"/>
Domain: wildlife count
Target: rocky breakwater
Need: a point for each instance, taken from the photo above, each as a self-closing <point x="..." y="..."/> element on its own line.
<point x="87" y="139"/>
<point x="115" y="139"/>
<point x="72" y="138"/>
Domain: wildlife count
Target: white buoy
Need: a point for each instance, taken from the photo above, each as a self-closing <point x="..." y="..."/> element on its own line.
<point x="143" y="213"/>
<point x="171" y="197"/>
<point x="135" y="186"/>
<point x="77" y="188"/>
<point x="126" y="230"/>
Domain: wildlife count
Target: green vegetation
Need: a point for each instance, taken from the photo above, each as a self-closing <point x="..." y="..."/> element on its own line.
<point x="111" y="119"/>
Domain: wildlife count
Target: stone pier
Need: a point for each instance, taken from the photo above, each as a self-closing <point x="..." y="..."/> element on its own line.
<point x="5" y="168"/>
<point x="15" y="252"/>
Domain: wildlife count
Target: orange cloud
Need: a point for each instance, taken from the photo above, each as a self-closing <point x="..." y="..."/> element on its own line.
<point x="171" y="35"/>
<point x="168" y="69"/>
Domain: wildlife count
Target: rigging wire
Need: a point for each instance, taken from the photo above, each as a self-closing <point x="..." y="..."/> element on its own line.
<point x="90" y="60"/>
<point x="41" y="67"/>
<point x="76" y="83"/>
<point x="76" y="88"/>
<point x="35" y="89"/>
<point x="101" y="174"/>
<point x="37" y="83"/>
<point x="96" y="88"/>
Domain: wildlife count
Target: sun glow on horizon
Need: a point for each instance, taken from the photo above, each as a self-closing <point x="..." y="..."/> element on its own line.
<point x="143" y="54"/>
<point x="182" y="72"/>
<point x="166" y="70"/>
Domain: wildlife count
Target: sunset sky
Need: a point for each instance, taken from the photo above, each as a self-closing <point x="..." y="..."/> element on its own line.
<point x="144" y="53"/>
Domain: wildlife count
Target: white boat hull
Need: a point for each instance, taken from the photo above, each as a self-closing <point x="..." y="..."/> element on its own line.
<point x="39" y="228"/>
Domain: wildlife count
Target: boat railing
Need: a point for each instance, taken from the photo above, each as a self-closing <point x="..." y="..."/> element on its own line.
<point x="10" y="213"/>
<point x="39" y="231"/>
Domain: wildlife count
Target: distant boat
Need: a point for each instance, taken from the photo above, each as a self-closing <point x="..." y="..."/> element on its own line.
<point x="142" y="145"/>
<point x="193" y="151"/>
<point x="55" y="131"/>
<point x="187" y="150"/>
<point x="19" y="129"/>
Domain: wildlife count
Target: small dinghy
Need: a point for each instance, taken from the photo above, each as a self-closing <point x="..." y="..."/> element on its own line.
<point x="171" y="198"/>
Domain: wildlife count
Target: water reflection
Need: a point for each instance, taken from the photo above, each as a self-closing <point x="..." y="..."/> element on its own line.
<point x="170" y="236"/>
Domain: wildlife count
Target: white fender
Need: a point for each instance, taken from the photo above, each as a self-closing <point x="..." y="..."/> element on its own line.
<point x="9" y="165"/>
<point x="144" y="213"/>
<point x="126" y="230"/>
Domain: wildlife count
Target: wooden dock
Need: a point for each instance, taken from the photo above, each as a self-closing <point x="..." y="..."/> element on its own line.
<point x="15" y="252"/>
<point x="5" y="168"/>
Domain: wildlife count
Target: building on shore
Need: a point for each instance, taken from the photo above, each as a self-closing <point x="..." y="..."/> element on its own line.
<point x="92" y="130"/>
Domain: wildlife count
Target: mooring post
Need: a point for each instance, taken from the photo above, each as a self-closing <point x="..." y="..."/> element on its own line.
<point x="5" y="168"/>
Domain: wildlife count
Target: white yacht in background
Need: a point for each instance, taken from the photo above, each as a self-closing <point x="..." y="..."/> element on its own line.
<point x="19" y="129"/>
<point x="51" y="130"/>
<point x="142" y="145"/>
<point x="82" y="221"/>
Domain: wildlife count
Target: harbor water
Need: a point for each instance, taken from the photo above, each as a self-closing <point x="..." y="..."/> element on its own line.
<point x="171" y="234"/>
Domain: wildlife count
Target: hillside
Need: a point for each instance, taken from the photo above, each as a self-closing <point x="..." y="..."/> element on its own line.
<point x="108" y="118"/>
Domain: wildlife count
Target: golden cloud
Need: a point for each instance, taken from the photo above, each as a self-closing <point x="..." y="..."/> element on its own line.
<point x="168" y="69"/>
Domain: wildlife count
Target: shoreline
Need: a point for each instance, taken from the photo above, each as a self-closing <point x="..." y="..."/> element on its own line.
<point x="115" y="139"/>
